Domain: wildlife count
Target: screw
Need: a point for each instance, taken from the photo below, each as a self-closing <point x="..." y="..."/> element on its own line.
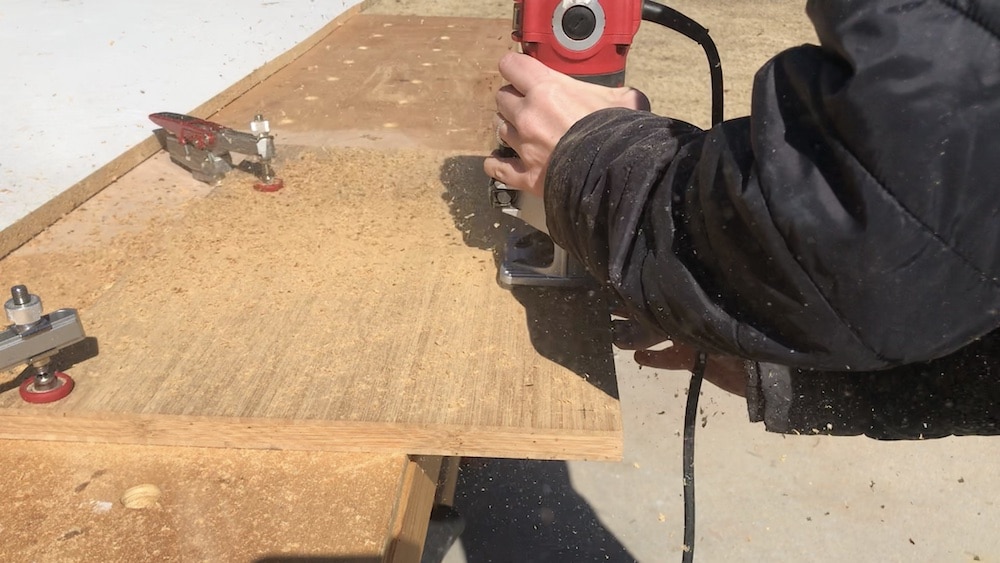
<point x="19" y="294"/>
<point x="45" y="376"/>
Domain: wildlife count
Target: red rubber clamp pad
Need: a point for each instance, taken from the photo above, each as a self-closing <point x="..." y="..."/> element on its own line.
<point x="274" y="186"/>
<point x="29" y="394"/>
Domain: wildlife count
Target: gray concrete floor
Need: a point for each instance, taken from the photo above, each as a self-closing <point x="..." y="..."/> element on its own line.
<point x="760" y="496"/>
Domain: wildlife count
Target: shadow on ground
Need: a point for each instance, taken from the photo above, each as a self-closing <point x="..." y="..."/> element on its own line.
<point x="528" y="512"/>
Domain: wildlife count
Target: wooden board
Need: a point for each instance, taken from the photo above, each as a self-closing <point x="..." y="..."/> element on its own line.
<point x="356" y="310"/>
<point x="65" y="504"/>
<point x="387" y="82"/>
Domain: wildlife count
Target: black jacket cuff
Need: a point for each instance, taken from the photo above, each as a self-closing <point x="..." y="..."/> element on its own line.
<point x="955" y="395"/>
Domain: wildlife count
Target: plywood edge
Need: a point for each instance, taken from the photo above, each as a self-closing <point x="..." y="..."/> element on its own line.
<point x="333" y="436"/>
<point x="48" y="213"/>
<point x="448" y="481"/>
<point x="413" y="509"/>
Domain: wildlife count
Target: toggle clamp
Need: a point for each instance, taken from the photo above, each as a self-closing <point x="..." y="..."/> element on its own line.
<point x="34" y="338"/>
<point x="205" y="148"/>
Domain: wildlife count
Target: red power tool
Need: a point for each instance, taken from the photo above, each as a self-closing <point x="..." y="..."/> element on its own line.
<point x="588" y="40"/>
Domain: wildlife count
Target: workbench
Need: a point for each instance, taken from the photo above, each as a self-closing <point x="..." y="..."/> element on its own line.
<point x="291" y="371"/>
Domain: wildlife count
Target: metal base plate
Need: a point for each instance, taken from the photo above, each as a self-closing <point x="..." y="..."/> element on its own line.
<point x="532" y="259"/>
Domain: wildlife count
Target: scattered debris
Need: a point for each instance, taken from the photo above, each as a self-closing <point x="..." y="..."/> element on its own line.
<point x="101" y="506"/>
<point x="141" y="496"/>
<point x="71" y="534"/>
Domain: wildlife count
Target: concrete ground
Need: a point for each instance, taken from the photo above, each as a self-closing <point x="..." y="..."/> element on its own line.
<point x="760" y="496"/>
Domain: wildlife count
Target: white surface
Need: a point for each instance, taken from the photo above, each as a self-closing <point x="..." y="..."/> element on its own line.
<point x="79" y="78"/>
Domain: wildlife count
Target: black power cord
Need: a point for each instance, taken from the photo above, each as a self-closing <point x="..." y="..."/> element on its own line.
<point x="690" y="418"/>
<point x="672" y="19"/>
<point x="676" y="21"/>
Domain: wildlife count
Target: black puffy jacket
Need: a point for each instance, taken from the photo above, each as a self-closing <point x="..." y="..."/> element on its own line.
<point x="851" y="223"/>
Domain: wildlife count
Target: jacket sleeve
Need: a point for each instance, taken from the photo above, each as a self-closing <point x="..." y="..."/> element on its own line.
<point x="850" y="223"/>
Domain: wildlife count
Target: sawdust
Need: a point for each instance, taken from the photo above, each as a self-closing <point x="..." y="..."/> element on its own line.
<point x="226" y="505"/>
<point x="364" y="291"/>
<point x="78" y="258"/>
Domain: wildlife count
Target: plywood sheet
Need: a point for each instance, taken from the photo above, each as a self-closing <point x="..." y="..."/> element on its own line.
<point x="65" y="504"/>
<point x="387" y="81"/>
<point x="354" y="310"/>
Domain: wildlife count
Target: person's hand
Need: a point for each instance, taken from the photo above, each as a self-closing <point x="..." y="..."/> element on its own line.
<point x="536" y="109"/>
<point x="725" y="372"/>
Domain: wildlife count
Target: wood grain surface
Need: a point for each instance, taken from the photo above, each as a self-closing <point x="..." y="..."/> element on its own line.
<point x="355" y="310"/>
